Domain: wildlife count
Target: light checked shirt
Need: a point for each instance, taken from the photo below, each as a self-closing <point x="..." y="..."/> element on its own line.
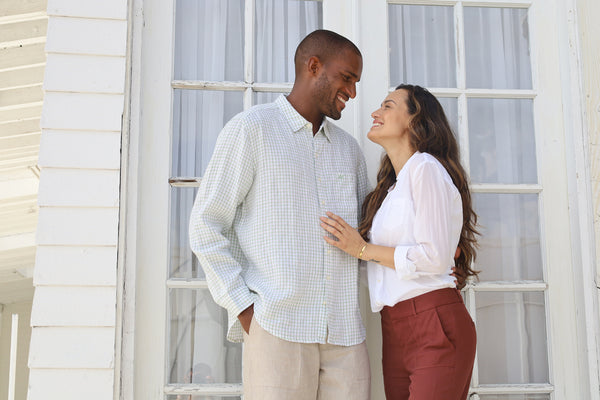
<point x="256" y="231"/>
<point x="421" y="217"/>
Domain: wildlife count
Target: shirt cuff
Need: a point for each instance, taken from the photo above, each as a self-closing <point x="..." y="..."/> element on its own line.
<point x="405" y="269"/>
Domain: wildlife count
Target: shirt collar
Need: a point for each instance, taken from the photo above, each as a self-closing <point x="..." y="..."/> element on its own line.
<point x="297" y="121"/>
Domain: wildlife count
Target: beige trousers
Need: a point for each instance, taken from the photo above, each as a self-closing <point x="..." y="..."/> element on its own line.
<point x="275" y="369"/>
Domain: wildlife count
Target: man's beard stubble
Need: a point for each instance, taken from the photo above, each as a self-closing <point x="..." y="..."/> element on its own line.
<point x="323" y="93"/>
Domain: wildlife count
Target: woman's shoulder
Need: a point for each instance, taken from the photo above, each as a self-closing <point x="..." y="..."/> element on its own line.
<point x="425" y="163"/>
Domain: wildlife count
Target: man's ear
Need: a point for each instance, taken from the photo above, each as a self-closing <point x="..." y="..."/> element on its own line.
<point x="313" y="65"/>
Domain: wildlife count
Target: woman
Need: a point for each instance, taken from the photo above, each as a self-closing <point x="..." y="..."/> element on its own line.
<point x="412" y="223"/>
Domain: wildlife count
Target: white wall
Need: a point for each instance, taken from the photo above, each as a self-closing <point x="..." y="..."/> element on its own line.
<point x="589" y="37"/>
<point x="72" y="353"/>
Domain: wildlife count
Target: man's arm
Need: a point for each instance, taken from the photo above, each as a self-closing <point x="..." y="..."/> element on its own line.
<point x="224" y="186"/>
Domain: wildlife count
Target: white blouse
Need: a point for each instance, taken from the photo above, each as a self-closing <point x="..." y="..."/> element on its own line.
<point x="421" y="217"/>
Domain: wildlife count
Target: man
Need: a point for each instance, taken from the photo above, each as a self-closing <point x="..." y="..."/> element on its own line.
<point x="255" y="229"/>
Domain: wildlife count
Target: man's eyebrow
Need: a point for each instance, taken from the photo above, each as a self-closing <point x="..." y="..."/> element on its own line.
<point x="351" y="73"/>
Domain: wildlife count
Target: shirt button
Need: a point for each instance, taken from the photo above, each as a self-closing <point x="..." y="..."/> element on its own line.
<point x="323" y="203"/>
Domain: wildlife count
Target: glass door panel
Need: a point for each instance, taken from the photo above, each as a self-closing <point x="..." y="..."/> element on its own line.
<point x="497" y="48"/>
<point x="212" y="83"/>
<point x="422" y="45"/>
<point x="502" y="141"/>
<point x="476" y="60"/>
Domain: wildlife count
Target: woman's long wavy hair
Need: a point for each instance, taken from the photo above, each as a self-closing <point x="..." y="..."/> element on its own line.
<point x="429" y="132"/>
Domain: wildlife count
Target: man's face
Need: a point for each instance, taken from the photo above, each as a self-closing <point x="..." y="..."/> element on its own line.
<point x="337" y="83"/>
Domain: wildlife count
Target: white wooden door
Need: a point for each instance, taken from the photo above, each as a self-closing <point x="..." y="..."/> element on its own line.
<point x="201" y="62"/>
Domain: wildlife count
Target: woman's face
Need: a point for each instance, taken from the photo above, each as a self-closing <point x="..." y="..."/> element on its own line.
<point x="391" y="120"/>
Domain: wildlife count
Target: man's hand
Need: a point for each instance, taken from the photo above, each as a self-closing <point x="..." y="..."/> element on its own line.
<point x="245" y="318"/>
<point x="459" y="274"/>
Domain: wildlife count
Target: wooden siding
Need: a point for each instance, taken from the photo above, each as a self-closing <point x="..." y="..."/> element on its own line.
<point x="74" y="306"/>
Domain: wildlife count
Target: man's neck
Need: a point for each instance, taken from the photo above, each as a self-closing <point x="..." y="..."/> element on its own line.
<point x="304" y="106"/>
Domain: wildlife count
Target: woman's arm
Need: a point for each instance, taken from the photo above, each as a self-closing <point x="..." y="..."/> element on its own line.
<point x="350" y="241"/>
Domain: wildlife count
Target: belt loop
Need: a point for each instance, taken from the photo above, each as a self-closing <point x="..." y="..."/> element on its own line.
<point x="413" y="303"/>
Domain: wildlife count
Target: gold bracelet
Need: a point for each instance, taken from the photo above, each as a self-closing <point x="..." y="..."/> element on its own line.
<point x="361" y="251"/>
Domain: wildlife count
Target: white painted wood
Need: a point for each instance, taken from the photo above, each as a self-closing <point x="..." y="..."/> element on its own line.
<point x="21" y="240"/>
<point x="28" y="75"/>
<point x="128" y="235"/>
<point x="110" y="9"/>
<point x="18" y="188"/>
<point x="24" y="28"/>
<point x="150" y="140"/>
<point x="508" y="188"/>
<point x="80" y="149"/>
<point x="15" y="57"/>
<point x="22" y="309"/>
<point x="76" y="111"/>
<point x="71" y="347"/>
<point x="514" y="389"/>
<point x="187" y="284"/>
<point x="23" y="111"/>
<point x="81" y="73"/>
<point x="73" y="265"/>
<point x="12" y="369"/>
<point x="78" y="188"/>
<point x="580" y="191"/>
<point x="86" y="36"/>
<point x="375" y="80"/>
<point x="232" y="86"/>
<point x="73" y="306"/>
<point x="22" y="7"/>
<point x="373" y="43"/>
<point x="19" y="95"/>
<point x="545" y="21"/>
<point x="471" y="3"/>
<point x="77" y="226"/>
<point x="589" y="33"/>
<point x="71" y="384"/>
<point x="205" y="390"/>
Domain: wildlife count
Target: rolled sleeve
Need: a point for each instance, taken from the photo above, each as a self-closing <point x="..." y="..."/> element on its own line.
<point x="405" y="269"/>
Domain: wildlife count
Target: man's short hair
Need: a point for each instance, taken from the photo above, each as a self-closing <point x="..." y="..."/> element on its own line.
<point x="323" y="44"/>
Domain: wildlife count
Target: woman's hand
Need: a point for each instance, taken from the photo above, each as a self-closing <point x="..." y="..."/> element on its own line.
<point x="348" y="238"/>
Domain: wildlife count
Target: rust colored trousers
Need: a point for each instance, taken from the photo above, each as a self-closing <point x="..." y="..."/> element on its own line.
<point x="428" y="347"/>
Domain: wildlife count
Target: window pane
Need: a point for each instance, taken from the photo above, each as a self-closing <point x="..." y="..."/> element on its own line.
<point x="422" y="50"/>
<point x="502" y="141"/>
<point x="182" y="263"/>
<point x="511" y="338"/>
<point x="280" y="25"/>
<point x="497" y="48"/>
<point x="450" y="105"/>
<point x="209" y="40"/>
<point x="198" y="117"/>
<point x="198" y="349"/>
<point x="510" y="237"/>
<point x="265" y="97"/>
<point x="535" y="396"/>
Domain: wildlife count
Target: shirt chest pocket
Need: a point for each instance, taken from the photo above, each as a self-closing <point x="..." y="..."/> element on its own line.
<point x="343" y="197"/>
<point x="397" y="219"/>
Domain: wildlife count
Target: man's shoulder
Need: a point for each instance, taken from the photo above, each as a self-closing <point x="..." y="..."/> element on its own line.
<point x="339" y="134"/>
<point x="259" y="112"/>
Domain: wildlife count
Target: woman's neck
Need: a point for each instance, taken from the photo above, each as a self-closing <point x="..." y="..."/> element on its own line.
<point x="399" y="156"/>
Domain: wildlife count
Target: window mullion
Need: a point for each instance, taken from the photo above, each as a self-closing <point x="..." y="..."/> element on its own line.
<point x="218" y="389"/>
<point x="249" y="39"/>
